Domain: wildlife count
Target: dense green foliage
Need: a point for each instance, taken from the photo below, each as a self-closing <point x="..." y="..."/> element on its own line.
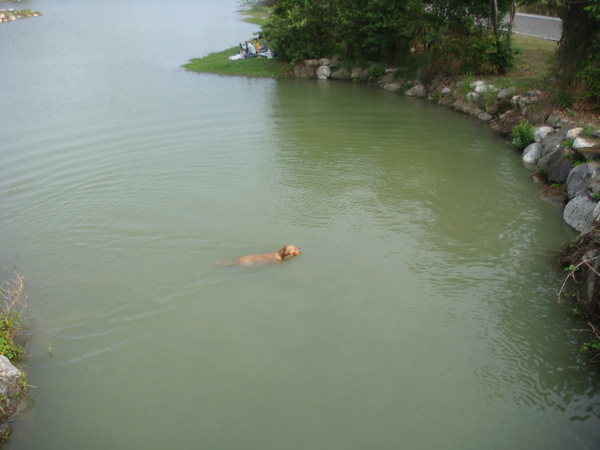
<point x="522" y="135"/>
<point x="452" y="36"/>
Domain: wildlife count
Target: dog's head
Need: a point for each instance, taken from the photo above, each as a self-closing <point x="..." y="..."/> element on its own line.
<point x="287" y="251"/>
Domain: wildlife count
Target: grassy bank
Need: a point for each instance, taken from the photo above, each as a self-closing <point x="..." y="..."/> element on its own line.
<point x="530" y="71"/>
<point x="219" y="63"/>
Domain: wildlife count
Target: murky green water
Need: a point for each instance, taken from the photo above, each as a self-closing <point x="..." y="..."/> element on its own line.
<point x="420" y="313"/>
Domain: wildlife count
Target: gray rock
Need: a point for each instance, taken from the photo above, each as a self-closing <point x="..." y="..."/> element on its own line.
<point x="446" y="90"/>
<point x="532" y="153"/>
<point x="11" y="389"/>
<point x="324" y="62"/>
<point x="477" y="83"/>
<point x="582" y="143"/>
<point x="311" y="63"/>
<point x="417" y="91"/>
<point x="514" y="101"/>
<point x="9" y="374"/>
<point x="484" y="116"/>
<point x="392" y="87"/>
<point x="553" y="120"/>
<point x="580" y="213"/>
<point x="524" y="102"/>
<point x="577" y="181"/>
<point x="485" y="88"/>
<point x="507" y="93"/>
<point x="323" y="72"/>
<point x="574" y="132"/>
<point x="301" y="71"/>
<point x="341" y="74"/>
<point x="552" y="142"/>
<point x="355" y="73"/>
<point x="556" y="165"/>
<point x="540" y="133"/>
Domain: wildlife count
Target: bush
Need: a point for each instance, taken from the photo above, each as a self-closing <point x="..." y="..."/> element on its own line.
<point x="522" y="135"/>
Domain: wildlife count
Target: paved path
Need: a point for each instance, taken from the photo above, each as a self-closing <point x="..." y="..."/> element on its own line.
<point x="538" y="26"/>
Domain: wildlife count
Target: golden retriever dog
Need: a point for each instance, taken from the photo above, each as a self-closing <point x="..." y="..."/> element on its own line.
<point x="248" y="260"/>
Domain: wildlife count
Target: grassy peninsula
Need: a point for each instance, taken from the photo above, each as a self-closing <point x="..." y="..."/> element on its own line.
<point x="219" y="63"/>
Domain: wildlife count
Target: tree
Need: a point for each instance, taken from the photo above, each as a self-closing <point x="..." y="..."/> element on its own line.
<point x="453" y="34"/>
<point x="577" y="63"/>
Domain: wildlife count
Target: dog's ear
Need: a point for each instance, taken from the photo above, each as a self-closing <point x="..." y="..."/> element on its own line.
<point x="282" y="254"/>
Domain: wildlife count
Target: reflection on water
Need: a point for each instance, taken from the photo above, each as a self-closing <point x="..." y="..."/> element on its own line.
<point x="420" y="313"/>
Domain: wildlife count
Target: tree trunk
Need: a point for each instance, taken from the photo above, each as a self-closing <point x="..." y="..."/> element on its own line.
<point x="578" y="34"/>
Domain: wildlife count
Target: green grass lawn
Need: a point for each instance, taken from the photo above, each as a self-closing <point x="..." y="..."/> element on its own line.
<point x="219" y="63"/>
<point x="531" y="69"/>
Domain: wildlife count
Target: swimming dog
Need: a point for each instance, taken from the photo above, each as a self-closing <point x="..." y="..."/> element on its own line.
<point x="278" y="256"/>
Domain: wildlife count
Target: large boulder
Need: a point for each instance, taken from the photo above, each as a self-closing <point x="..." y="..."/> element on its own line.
<point x="507" y="93"/>
<point x="12" y="398"/>
<point x="417" y="91"/>
<point x="302" y="71"/>
<point x="356" y="73"/>
<point x="574" y="132"/>
<point x="393" y="87"/>
<point x="323" y="72"/>
<point x="581" y="213"/>
<point x="532" y="153"/>
<point x="341" y="74"/>
<point x="578" y="179"/>
<point x="580" y="142"/>
<point x="557" y="165"/>
<point x="552" y="142"/>
<point x="540" y="133"/>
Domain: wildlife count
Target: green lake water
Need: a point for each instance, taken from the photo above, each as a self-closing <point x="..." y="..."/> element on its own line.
<point x="420" y="314"/>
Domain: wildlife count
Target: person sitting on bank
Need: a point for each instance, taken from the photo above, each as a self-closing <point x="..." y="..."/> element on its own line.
<point x="256" y="46"/>
<point x="264" y="48"/>
<point x="250" y="50"/>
